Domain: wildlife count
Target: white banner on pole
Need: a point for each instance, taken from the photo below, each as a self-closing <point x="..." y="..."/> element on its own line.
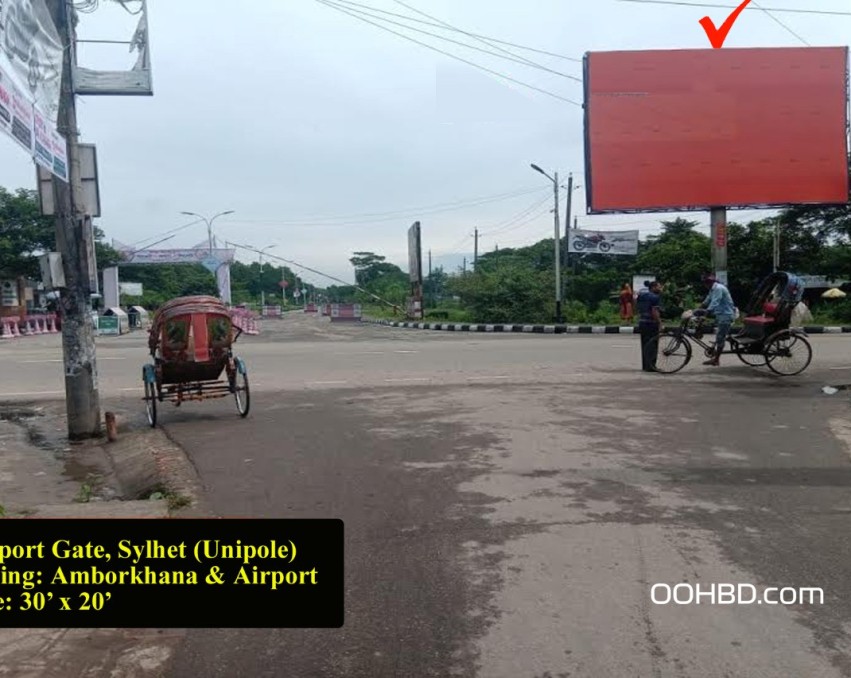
<point x="5" y="103"/>
<point x="223" y="280"/>
<point x="41" y="141"/>
<point x="21" y="124"/>
<point x="602" y="242"/>
<point x="31" y="50"/>
<point x="31" y="61"/>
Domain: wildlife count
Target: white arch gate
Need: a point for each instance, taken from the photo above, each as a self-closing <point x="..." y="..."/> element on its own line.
<point x="215" y="260"/>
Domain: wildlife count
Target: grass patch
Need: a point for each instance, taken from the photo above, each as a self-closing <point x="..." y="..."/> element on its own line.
<point x="174" y="500"/>
<point x="85" y="494"/>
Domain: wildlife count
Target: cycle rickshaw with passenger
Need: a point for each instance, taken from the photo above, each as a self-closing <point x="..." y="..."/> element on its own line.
<point x="766" y="338"/>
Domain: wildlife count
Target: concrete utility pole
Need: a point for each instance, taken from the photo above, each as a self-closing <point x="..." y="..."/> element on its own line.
<point x="262" y="288"/>
<point x="82" y="400"/>
<point x="559" y="316"/>
<point x="430" y="281"/>
<point x="476" y="249"/>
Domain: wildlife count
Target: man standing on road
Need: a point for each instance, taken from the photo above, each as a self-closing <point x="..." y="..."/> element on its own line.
<point x="720" y="304"/>
<point x="649" y="324"/>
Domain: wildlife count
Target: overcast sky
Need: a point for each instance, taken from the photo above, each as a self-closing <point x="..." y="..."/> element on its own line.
<point x="303" y="119"/>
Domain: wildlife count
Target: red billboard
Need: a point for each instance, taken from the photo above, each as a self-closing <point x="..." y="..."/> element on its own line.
<point x="680" y="130"/>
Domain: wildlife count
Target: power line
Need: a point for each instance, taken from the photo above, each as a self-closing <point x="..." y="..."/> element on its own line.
<point x="452" y="56"/>
<point x="782" y="24"/>
<point x="458" y="30"/>
<point x="312" y="270"/>
<point x="175" y="230"/>
<point x="485" y="41"/>
<point x="391" y="216"/>
<point x="505" y="226"/>
<point x="528" y="221"/>
<point x="511" y="57"/>
<point x="717" y="6"/>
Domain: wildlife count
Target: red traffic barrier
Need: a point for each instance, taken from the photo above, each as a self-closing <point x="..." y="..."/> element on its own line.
<point x="345" y="313"/>
<point x="310" y="308"/>
<point x="8" y="324"/>
<point x="245" y="320"/>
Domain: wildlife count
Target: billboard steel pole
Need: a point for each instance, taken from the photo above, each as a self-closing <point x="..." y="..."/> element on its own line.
<point x="718" y="221"/>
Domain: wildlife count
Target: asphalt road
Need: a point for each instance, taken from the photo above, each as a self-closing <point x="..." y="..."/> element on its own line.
<point x="509" y="501"/>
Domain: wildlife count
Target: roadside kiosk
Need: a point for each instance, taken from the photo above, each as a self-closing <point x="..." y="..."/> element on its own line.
<point x="113" y="322"/>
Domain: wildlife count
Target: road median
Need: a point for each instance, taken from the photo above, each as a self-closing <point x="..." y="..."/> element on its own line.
<point x="503" y="328"/>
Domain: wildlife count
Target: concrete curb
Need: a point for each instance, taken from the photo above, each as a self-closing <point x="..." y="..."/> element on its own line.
<point x="513" y="329"/>
<point x="556" y="329"/>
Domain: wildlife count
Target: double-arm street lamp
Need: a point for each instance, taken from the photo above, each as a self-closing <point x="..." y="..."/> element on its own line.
<point x="209" y="223"/>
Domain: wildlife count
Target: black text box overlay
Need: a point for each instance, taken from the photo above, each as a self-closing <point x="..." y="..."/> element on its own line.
<point x="166" y="573"/>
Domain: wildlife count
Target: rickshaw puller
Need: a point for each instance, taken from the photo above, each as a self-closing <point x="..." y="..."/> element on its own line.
<point x="719" y="303"/>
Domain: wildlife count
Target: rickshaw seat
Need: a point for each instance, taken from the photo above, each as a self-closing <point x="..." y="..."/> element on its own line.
<point x="769" y="309"/>
<point x="759" y="320"/>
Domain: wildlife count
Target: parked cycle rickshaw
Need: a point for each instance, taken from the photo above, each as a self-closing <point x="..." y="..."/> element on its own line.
<point x="191" y="341"/>
<point x="765" y="339"/>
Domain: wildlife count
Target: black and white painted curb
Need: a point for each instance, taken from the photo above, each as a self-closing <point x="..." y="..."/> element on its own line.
<point x="555" y="329"/>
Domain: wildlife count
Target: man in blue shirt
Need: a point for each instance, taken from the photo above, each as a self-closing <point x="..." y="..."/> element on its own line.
<point x="720" y="304"/>
<point x="649" y="324"/>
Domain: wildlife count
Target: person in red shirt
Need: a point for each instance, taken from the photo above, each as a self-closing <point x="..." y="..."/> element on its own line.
<point x="626" y="299"/>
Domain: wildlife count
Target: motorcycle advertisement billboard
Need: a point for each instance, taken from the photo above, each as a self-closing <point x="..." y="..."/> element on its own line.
<point x="602" y="242"/>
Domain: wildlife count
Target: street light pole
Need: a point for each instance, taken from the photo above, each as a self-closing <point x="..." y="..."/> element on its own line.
<point x="262" y="289"/>
<point x="557" y="249"/>
<point x="209" y="223"/>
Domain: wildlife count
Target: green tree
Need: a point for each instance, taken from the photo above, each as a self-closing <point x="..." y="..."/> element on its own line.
<point x="370" y="267"/>
<point x="24" y="233"/>
<point x="678" y="256"/>
<point x="510" y="292"/>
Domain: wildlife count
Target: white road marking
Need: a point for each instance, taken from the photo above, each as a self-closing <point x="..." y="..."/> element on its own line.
<point x="403" y="380"/>
<point x="840" y="368"/>
<point x="405" y="351"/>
<point x="480" y="378"/>
<point x="31" y="393"/>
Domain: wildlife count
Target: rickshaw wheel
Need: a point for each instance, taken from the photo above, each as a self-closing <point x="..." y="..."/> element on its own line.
<point x="788" y="353"/>
<point x="751" y="359"/>
<point x="241" y="393"/>
<point x="673" y="352"/>
<point x="151" y="403"/>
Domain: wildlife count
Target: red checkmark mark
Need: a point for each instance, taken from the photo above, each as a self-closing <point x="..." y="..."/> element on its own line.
<point x="717" y="36"/>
